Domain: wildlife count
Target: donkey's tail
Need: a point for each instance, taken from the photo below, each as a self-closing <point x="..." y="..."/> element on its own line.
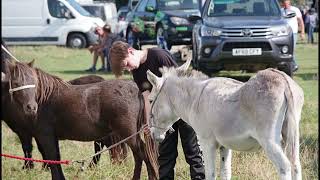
<point x="150" y="147"/>
<point x="290" y="130"/>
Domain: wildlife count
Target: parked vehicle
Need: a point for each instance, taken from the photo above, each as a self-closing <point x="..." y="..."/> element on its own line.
<point x="107" y="11"/>
<point x="242" y="35"/>
<point x="43" y="22"/>
<point x="161" y="22"/>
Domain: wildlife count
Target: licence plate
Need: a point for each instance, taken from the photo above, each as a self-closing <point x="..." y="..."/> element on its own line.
<point x="246" y="52"/>
<point x="182" y="28"/>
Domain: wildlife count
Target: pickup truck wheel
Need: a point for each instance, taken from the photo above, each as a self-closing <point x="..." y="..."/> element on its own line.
<point x="77" y="40"/>
<point x="161" y="39"/>
<point x="288" y="69"/>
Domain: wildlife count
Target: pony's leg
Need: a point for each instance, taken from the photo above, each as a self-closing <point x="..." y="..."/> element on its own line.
<point x="278" y="157"/>
<point x="124" y="152"/>
<point x="138" y="158"/>
<point x="45" y="166"/>
<point x="209" y="153"/>
<point x="150" y="158"/>
<point x="97" y="147"/>
<point x="225" y="163"/>
<point x="50" y="146"/>
<point x="26" y="142"/>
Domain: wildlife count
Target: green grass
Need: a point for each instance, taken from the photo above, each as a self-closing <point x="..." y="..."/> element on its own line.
<point x="70" y="63"/>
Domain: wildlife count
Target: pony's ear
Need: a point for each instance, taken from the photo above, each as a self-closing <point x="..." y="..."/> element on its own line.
<point x="185" y="66"/>
<point x="3" y="77"/>
<point x="30" y="64"/>
<point x="153" y="79"/>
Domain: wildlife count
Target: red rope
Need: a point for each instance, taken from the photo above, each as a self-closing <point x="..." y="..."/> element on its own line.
<point x="36" y="160"/>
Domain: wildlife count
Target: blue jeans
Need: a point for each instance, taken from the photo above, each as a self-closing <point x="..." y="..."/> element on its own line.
<point x="310" y="34"/>
<point x="107" y="59"/>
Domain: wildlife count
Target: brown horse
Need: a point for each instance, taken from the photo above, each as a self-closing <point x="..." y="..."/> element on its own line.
<point x="118" y="153"/>
<point x="11" y="117"/>
<point x="79" y="112"/>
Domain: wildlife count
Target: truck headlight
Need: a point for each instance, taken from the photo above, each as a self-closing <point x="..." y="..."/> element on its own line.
<point x="280" y="30"/>
<point x="179" y="21"/>
<point x="208" y="31"/>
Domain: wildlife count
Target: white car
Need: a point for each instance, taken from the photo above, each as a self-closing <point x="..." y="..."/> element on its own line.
<point x="48" y="22"/>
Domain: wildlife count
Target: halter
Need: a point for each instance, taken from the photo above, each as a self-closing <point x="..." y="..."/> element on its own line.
<point x="11" y="90"/>
<point x="171" y="130"/>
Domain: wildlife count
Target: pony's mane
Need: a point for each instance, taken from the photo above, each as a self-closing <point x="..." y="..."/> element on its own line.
<point x="20" y="69"/>
<point x="47" y="84"/>
<point x="190" y="73"/>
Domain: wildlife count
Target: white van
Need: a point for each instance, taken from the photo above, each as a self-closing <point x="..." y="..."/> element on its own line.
<point x="107" y="11"/>
<point x="43" y="22"/>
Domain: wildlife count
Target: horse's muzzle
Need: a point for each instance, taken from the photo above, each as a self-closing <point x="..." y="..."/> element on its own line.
<point x="31" y="109"/>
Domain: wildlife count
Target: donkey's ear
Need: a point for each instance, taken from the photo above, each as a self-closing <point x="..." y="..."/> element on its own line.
<point x="30" y="64"/>
<point x="185" y="66"/>
<point x="153" y="79"/>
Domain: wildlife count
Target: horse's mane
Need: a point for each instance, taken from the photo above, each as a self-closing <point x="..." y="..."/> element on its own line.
<point x="47" y="84"/>
<point x="190" y="73"/>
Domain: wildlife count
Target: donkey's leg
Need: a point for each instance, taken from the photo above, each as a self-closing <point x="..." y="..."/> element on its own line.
<point x="295" y="160"/>
<point x="26" y="142"/>
<point x="51" y="149"/>
<point x="209" y="153"/>
<point x="225" y="163"/>
<point x="278" y="157"/>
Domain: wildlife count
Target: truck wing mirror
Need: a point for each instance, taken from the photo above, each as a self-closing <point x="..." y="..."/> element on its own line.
<point x="150" y="9"/>
<point x="194" y="18"/>
<point x="68" y="15"/>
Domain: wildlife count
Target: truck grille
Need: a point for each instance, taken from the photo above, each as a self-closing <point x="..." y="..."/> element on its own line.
<point x="246" y="32"/>
<point x="265" y="46"/>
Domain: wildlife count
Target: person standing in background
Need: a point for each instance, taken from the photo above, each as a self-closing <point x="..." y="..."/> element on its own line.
<point x="295" y="23"/>
<point x="311" y="22"/>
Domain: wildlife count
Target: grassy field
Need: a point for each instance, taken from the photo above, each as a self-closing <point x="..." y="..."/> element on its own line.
<point x="70" y="63"/>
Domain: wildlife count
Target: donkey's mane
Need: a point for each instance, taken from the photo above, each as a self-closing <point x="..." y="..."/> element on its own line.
<point x="190" y="73"/>
<point x="47" y="84"/>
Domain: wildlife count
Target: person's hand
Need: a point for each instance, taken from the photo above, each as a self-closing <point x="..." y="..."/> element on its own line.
<point x="90" y="48"/>
<point x="147" y="131"/>
<point x="302" y="36"/>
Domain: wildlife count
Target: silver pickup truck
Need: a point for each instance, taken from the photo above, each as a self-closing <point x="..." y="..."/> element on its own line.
<point x="242" y="35"/>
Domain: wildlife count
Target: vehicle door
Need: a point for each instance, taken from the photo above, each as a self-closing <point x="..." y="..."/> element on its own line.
<point x="145" y="19"/>
<point x="59" y="18"/>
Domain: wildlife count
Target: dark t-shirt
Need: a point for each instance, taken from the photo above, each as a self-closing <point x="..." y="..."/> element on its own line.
<point x="156" y="58"/>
